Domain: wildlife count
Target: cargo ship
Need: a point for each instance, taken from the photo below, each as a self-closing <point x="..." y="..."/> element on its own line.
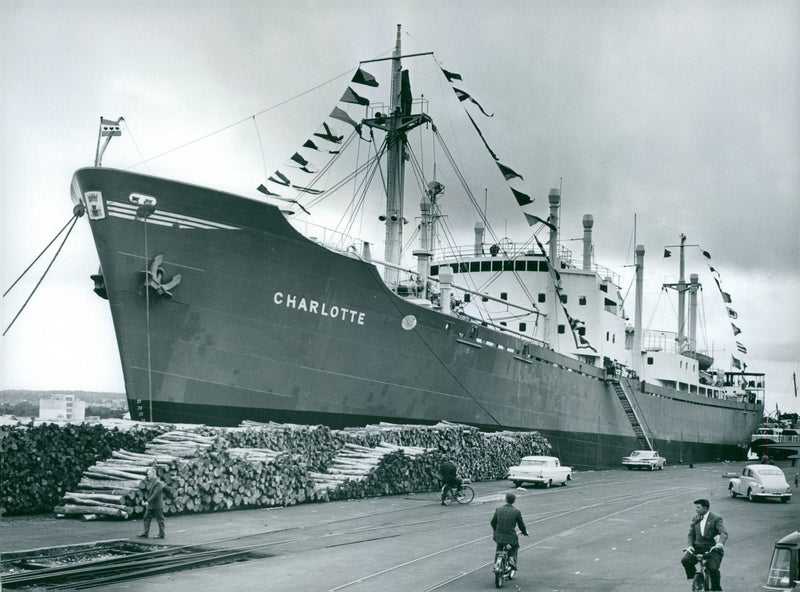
<point x="228" y="308"/>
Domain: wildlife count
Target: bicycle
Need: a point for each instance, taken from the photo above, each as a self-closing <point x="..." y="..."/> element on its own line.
<point x="503" y="569"/>
<point x="702" y="578"/>
<point x="464" y="494"/>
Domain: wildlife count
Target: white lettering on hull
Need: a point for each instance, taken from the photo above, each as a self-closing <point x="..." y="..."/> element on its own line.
<point x="319" y="308"/>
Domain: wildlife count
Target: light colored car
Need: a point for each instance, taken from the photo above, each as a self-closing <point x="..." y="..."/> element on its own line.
<point x="761" y="482"/>
<point x="644" y="459"/>
<point x="539" y="470"/>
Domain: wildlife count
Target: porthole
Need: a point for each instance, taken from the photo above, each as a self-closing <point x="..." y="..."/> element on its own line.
<point x="408" y="322"/>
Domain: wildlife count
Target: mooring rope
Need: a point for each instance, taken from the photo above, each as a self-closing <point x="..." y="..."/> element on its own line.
<point x="61" y="246"/>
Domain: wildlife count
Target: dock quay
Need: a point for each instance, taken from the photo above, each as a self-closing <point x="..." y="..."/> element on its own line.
<point x="611" y="530"/>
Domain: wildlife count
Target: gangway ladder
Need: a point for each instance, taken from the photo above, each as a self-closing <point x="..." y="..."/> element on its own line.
<point x="633" y="417"/>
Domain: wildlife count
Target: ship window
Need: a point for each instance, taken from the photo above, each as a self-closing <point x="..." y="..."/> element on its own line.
<point x="508" y="265"/>
<point x="608" y="335"/>
<point x="649" y="360"/>
<point x="463" y="267"/>
<point x="563" y="298"/>
<point x="562" y="329"/>
<point x="504" y="295"/>
<point x="522" y="327"/>
<point x="467" y="297"/>
<point x="454" y="267"/>
<point x="475" y="266"/>
<point x="519" y="266"/>
<point x="604" y="288"/>
<point x="614" y="338"/>
<point x="543" y="266"/>
<point x="582" y="300"/>
<point x="497" y="266"/>
<point x="503" y="323"/>
<point x="484" y="299"/>
<point x="542" y="297"/>
<point x="533" y="265"/>
<point x="434" y="270"/>
<point x="486" y="266"/>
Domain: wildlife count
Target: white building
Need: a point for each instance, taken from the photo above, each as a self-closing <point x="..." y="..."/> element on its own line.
<point x="62" y="407"/>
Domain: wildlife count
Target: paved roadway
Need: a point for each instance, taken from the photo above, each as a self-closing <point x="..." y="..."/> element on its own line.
<point x="617" y="530"/>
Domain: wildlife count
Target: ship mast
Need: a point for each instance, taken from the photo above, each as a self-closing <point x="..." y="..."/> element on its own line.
<point x="681" y="288"/>
<point x="395" y="172"/>
<point x="396" y="123"/>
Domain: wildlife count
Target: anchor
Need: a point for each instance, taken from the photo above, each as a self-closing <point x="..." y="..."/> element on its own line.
<point x="154" y="278"/>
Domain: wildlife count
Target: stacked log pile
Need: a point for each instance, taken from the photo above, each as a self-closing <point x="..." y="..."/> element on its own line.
<point x="264" y="465"/>
<point x="317" y="444"/>
<point x="42" y="461"/>
<point x="387" y="469"/>
<point x="200" y="474"/>
<point x="479" y="455"/>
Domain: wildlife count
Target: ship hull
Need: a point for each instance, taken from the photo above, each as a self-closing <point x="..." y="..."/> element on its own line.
<point x="267" y="325"/>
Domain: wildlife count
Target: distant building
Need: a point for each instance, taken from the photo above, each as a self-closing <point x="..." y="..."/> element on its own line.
<point x="62" y="407"/>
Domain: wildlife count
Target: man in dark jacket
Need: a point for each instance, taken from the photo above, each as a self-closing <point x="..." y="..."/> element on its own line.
<point x="154" y="505"/>
<point x="706" y="533"/>
<point x="449" y="474"/>
<point x="505" y="521"/>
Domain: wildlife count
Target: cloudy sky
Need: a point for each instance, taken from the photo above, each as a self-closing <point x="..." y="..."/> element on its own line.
<point x="684" y="114"/>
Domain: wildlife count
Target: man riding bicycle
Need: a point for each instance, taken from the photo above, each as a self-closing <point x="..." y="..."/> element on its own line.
<point x="704" y="528"/>
<point x="449" y="475"/>
<point x="505" y="521"/>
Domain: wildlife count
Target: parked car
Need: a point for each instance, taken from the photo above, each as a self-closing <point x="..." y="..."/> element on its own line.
<point x="644" y="459"/>
<point x="761" y="482"/>
<point x="784" y="569"/>
<point x="539" y="470"/>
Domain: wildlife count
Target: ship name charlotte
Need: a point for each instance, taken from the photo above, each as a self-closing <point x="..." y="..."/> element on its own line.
<point x="320" y="308"/>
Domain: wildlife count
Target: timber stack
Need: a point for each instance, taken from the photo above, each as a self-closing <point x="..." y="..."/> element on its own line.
<point x="266" y="465"/>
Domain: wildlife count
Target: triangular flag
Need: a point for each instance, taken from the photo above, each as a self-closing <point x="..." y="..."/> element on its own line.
<point x="463" y="96"/>
<point x="341" y="115"/>
<point x="266" y="191"/>
<point x="450" y="75"/>
<point x="281" y="179"/>
<point x="329" y="135"/>
<point x="667" y="253"/>
<point x="298" y="158"/>
<point x="522" y="198"/>
<point x="508" y="172"/>
<point x="350" y="96"/>
<point x="537" y="220"/>
<point x="364" y="78"/>
<point x="480" y="133"/>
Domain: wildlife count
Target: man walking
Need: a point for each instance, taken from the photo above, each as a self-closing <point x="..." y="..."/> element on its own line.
<point x="154" y="505"/>
<point x="703" y="532"/>
<point x="505" y="521"/>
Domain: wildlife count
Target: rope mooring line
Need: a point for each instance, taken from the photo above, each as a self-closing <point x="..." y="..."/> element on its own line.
<point x="74" y="220"/>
